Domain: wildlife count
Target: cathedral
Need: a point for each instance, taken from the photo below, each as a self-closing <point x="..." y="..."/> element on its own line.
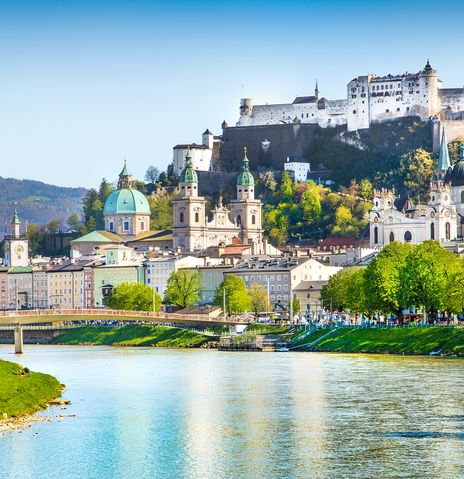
<point x="442" y="219"/>
<point x="193" y="231"/>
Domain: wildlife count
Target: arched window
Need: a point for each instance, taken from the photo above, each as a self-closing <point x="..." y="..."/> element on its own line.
<point x="448" y="231"/>
<point x="239" y="220"/>
<point x="376" y="235"/>
<point x="197" y="217"/>
<point x="253" y="219"/>
<point x="181" y="217"/>
<point x="392" y="237"/>
<point x="408" y="236"/>
<point x="432" y="231"/>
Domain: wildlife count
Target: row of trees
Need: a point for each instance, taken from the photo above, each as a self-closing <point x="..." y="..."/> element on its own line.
<point x="403" y="276"/>
<point x="183" y="290"/>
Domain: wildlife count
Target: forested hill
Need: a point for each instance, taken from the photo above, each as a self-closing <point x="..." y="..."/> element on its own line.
<point x="37" y="202"/>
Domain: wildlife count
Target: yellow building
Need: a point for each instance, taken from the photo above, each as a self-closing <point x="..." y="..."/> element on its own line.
<point x="66" y="285"/>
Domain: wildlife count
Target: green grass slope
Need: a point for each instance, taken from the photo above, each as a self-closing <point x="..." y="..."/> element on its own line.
<point x="23" y="392"/>
<point x="133" y="335"/>
<point x="447" y="341"/>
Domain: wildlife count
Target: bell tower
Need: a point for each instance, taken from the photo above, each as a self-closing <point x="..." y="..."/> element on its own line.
<point x="16" y="245"/>
<point x="245" y="210"/>
<point x="189" y="222"/>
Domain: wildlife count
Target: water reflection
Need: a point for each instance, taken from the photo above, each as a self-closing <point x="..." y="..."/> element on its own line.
<point x="149" y="413"/>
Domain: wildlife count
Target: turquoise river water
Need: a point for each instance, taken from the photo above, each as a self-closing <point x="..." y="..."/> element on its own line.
<point x="158" y="413"/>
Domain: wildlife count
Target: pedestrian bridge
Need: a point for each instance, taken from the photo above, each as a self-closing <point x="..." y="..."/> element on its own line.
<point x="40" y="316"/>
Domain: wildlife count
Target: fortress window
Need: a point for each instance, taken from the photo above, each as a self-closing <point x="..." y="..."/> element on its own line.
<point x="387" y="111"/>
<point x="307" y="115"/>
<point x="462" y="196"/>
<point x="354" y="112"/>
<point x="302" y="115"/>
<point x="408" y="236"/>
<point x="197" y="217"/>
<point x="397" y="109"/>
<point x="407" y="108"/>
<point x="181" y="217"/>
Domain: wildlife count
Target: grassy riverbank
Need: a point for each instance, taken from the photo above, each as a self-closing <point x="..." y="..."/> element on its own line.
<point x="422" y="341"/>
<point x="133" y="335"/>
<point x="24" y="392"/>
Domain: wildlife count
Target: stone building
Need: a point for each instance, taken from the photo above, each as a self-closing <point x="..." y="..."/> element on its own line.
<point x="16" y="245"/>
<point x="370" y="98"/>
<point x="193" y="231"/>
<point x="442" y="219"/>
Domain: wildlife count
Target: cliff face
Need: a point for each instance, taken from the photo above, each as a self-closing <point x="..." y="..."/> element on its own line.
<point x="348" y="155"/>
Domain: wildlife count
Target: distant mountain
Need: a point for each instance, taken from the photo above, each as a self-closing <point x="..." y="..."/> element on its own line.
<point x="37" y="202"/>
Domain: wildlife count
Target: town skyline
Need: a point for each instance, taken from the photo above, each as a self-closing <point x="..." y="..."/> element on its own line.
<point x="123" y="81"/>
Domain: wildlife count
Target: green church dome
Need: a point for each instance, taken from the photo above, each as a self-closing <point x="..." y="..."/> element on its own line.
<point x="126" y="201"/>
<point x="188" y="175"/>
<point x="245" y="178"/>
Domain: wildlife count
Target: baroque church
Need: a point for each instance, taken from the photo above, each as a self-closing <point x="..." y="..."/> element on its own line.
<point x="442" y="219"/>
<point x="193" y="231"/>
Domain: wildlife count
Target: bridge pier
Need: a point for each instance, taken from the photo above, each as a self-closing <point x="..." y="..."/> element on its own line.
<point x="18" y="339"/>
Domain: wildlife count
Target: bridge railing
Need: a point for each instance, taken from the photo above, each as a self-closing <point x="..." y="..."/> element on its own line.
<point x="115" y="313"/>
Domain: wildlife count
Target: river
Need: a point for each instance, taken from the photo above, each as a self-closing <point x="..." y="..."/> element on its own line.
<point x="158" y="413"/>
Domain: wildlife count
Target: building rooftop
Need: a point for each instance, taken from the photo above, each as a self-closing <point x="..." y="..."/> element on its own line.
<point x="336" y="242"/>
<point x="99" y="236"/>
<point x="267" y="264"/>
<point x="192" y="146"/>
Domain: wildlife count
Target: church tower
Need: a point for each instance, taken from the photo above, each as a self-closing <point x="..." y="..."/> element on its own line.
<point x="189" y="222"/>
<point x="16" y="246"/>
<point x="245" y="210"/>
<point x="443" y="160"/>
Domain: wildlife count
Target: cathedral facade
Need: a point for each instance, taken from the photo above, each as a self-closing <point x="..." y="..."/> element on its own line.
<point x="193" y="231"/>
<point x="441" y="219"/>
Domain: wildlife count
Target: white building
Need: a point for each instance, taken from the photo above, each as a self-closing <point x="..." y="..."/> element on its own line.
<point x="298" y="169"/>
<point x="441" y="219"/>
<point x="158" y="270"/>
<point x="201" y="155"/>
<point x="369" y="99"/>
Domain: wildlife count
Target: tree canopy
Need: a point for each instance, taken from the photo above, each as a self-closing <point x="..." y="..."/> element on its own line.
<point x="134" y="297"/>
<point x="237" y="297"/>
<point x="183" y="288"/>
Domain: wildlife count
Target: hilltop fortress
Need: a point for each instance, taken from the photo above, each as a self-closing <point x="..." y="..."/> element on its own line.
<point x="370" y="99"/>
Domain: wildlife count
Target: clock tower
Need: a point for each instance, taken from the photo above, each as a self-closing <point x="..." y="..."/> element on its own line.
<point x="16" y="245"/>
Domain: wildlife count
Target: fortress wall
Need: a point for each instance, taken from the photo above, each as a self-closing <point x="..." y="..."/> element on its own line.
<point x="285" y="140"/>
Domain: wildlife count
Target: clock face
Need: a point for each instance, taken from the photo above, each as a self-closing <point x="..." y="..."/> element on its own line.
<point x="19" y="249"/>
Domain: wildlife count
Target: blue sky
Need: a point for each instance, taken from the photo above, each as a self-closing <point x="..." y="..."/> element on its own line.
<point x="85" y="83"/>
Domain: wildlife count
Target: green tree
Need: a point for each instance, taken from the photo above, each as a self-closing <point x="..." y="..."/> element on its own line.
<point x="237" y="297"/>
<point x="259" y="299"/>
<point x="454" y="148"/>
<point x="335" y="291"/>
<point x="365" y="189"/>
<point x="134" y="297"/>
<point x="161" y="213"/>
<point x="183" y="288"/>
<point x="286" y="187"/>
<point x="383" y="281"/>
<point x="426" y="277"/>
<point x="53" y="227"/>
<point x="344" y="224"/>
<point x="152" y="174"/>
<point x="104" y="190"/>
<point x="356" y="299"/>
<point x="415" y="170"/>
<point x="296" y="306"/>
<point x="74" y="222"/>
<point x="311" y="203"/>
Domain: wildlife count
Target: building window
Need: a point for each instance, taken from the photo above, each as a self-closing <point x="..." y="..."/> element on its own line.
<point x="142" y="225"/>
<point x="239" y="220"/>
<point x="126" y="225"/>
<point x="181" y="217"/>
<point x="197" y="217"/>
<point x="392" y="237"/>
<point x="448" y="231"/>
<point x="462" y="196"/>
<point x="432" y="231"/>
<point x="376" y="235"/>
<point x="111" y="226"/>
<point x="253" y="219"/>
<point x="354" y="112"/>
<point x="408" y="236"/>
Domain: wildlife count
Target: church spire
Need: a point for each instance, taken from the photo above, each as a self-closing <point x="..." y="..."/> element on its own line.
<point x="443" y="159"/>
<point x="125" y="178"/>
<point x="16" y="224"/>
<point x="316" y="91"/>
